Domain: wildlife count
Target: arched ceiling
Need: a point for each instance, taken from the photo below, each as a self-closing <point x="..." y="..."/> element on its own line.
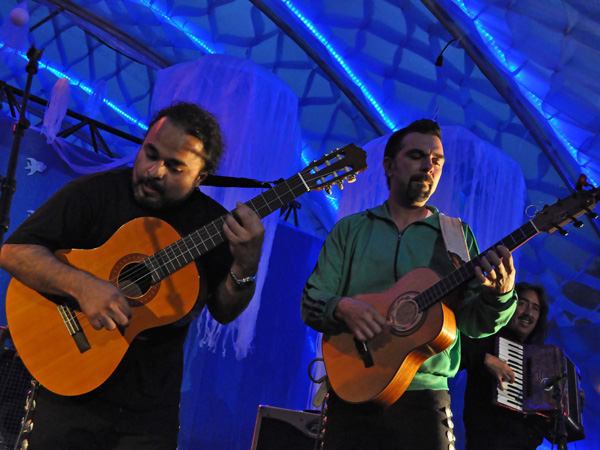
<point x="522" y="75"/>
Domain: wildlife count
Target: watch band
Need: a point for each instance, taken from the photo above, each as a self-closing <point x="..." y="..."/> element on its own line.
<point x="242" y="283"/>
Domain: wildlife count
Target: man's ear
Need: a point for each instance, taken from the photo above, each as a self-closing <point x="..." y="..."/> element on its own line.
<point x="387" y="164"/>
<point x="201" y="177"/>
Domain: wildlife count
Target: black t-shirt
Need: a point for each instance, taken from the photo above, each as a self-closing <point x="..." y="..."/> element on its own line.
<point x="84" y="215"/>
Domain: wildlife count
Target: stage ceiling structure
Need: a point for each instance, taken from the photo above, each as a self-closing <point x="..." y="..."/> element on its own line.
<point x="523" y="75"/>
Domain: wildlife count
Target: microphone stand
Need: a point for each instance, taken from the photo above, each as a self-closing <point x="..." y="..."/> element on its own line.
<point x="561" y="436"/>
<point x="9" y="182"/>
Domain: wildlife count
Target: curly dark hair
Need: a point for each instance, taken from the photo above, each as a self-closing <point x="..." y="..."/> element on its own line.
<point x="199" y="123"/>
<point x="423" y="126"/>
<point x="538" y="335"/>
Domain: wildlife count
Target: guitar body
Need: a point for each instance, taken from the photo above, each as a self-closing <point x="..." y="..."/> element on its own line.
<point x="420" y="323"/>
<point x="152" y="265"/>
<point x="410" y="338"/>
<point x="41" y="336"/>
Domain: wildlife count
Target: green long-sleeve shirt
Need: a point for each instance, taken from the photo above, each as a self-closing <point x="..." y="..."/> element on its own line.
<point x="364" y="253"/>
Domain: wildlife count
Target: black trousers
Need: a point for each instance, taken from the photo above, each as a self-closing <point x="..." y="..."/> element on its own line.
<point x="419" y="420"/>
<point x="89" y="423"/>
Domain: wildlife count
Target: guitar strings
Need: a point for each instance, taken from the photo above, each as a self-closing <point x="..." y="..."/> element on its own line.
<point x="292" y="184"/>
<point x="204" y="235"/>
<point x="160" y="265"/>
<point x="465" y="272"/>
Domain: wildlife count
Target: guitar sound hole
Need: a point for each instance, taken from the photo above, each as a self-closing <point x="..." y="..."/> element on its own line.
<point x="135" y="280"/>
<point x="404" y="317"/>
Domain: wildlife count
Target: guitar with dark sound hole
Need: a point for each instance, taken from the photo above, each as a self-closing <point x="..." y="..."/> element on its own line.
<point x="419" y="322"/>
<point x="152" y="264"/>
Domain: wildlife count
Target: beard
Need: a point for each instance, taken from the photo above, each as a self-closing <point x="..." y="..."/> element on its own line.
<point x="148" y="202"/>
<point x="155" y="202"/>
<point x="420" y="192"/>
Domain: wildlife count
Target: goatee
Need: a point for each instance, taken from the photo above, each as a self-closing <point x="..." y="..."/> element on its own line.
<point x="423" y="191"/>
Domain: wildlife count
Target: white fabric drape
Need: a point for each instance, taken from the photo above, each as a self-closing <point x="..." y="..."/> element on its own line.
<point x="56" y="109"/>
<point x="257" y="112"/>
<point x="480" y="184"/>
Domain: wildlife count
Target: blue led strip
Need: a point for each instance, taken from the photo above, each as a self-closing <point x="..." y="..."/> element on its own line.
<point x="533" y="99"/>
<point x="188" y="28"/>
<point x="191" y="30"/>
<point x="160" y="10"/>
<point x="341" y="62"/>
<point x="73" y="81"/>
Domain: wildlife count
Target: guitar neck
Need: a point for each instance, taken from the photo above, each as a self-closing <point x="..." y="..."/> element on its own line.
<point x="182" y="252"/>
<point x="466" y="272"/>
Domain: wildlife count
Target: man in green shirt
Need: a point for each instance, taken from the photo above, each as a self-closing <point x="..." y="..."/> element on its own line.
<point x="368" y="252"/>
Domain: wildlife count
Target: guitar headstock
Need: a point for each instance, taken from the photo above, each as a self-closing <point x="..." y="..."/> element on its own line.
<point x="567" y="210"/>
<point x="334" y="168"/>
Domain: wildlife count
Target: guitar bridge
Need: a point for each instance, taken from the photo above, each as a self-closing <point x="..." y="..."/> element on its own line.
<point x="74" y="327"/>
<point x="364" y="352"/>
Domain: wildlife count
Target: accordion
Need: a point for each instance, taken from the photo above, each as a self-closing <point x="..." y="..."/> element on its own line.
<point x="546" y="384"/>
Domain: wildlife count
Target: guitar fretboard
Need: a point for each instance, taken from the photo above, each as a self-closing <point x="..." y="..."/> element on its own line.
<point x="466" y="272"/>
<point x="179" y="254"/>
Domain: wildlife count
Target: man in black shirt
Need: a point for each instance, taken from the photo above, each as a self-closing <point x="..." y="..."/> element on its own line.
<point x="138" y="406"/>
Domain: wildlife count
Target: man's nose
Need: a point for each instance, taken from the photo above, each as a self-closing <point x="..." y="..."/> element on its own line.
<point x="427" y="164"/>
<point x="157" y="169"/>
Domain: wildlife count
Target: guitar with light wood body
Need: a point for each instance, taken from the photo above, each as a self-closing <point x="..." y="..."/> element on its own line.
<point x="419" y="323"/>
<point x="153" y="266"/>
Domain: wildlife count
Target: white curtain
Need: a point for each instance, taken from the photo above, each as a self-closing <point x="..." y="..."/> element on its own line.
<point x="257" y="112"/>
<point x="480" y="184"/>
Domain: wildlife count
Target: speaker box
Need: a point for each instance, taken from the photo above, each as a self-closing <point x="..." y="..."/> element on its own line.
<point x="278" y="429"/>
<point x="15" y="385"/>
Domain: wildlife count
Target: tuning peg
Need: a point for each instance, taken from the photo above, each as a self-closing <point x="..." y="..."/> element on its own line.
<point x="562" y="231"/>
<point x="576" y="223"/>
<point x="351" y="178"/>
<point x="340" y="185"/>
<point x="328" y="189"/>
<point x="591" y="214"/>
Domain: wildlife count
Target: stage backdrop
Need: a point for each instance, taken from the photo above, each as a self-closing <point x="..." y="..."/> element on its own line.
<point x="223" y="387"/>
<point x="221" y="392"/>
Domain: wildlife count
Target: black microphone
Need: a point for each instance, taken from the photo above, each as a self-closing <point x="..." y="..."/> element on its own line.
<point x="549" y="383"/>
<point x="440" y="59"/>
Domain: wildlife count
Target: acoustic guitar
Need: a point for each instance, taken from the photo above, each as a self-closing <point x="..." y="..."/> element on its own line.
<point x="419" y="322"/>
<point x="153" y="267"/>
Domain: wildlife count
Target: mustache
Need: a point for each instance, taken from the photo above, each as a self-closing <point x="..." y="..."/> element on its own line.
<point x="152" y="183"/>
<point x="422" y="177"/>
<point x="526" y="316"/>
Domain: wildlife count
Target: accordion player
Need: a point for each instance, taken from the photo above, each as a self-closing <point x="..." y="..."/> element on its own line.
<point x="546" y="384"/>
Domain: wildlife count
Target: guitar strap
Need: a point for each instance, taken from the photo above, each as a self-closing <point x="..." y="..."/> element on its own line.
<point x="454" y="238"/>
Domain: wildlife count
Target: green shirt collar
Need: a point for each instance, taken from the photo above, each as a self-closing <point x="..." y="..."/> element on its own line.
<point x="382" y="212"/>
